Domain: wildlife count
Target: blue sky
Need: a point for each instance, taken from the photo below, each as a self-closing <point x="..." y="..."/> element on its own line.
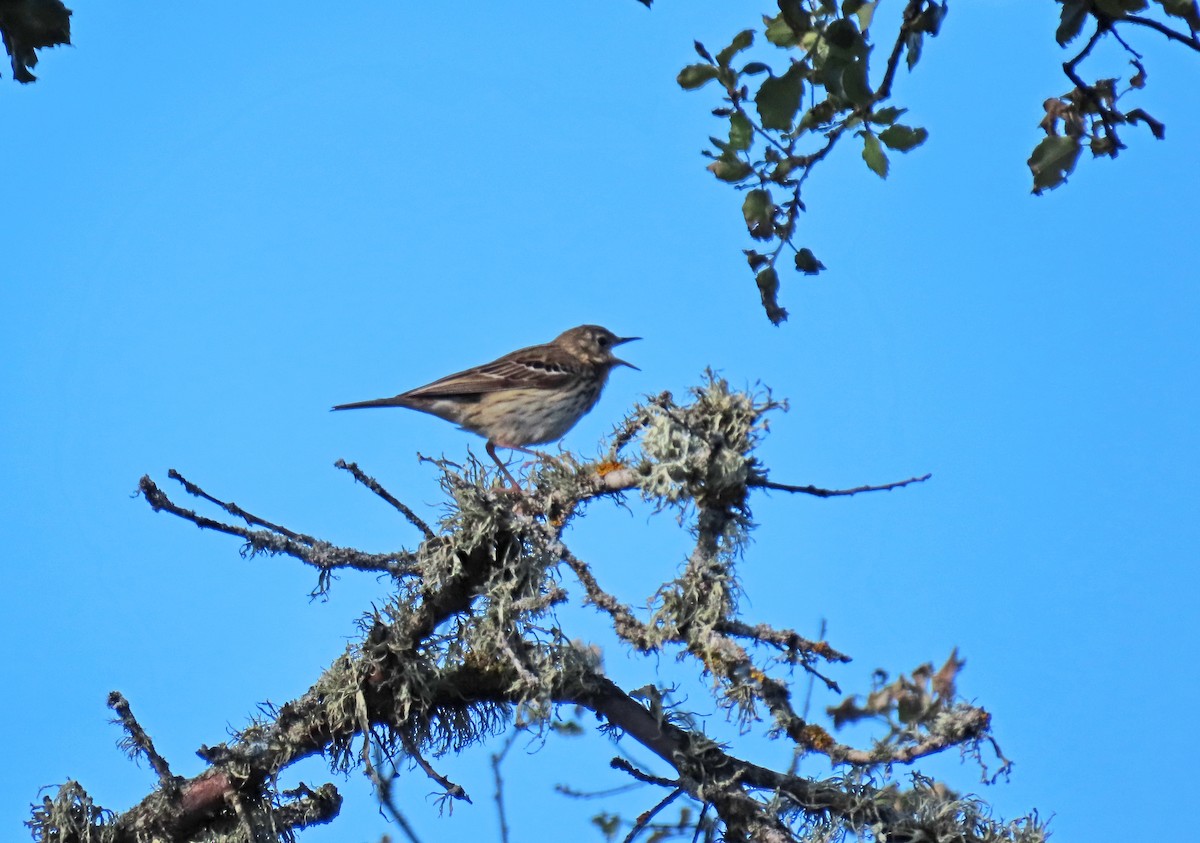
<point x="222" y="222"/>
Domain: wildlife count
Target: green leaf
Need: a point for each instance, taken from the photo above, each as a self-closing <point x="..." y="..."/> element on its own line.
<point x="903" y="138"/>
<point x="912" y="43"/>
<point x="866" y="14"/>
<point x="757" y="260"/>
<point x="844" y="39"/>
<point x="730" y="168"/>
<point x="703" y="53"/>
<point x="1186" y="9"/>
<point x="778" y="99"/>
<point x="740" y="42"/>
<point x="807" y="262"/>
<point x="874" y="156"/>
<point x="758" y="209"/>
<point x="1052" y="161"/>
<point x="855" y="86"/>
<point x="754" y="68"/>
<point x="884" y="116"/>
<point x="696" y="76"/>
<point x="768" y="290"/>
<point x="740" y="131"/>
<point x="1119" y="8"/>
<point x="780" y="33"/>
<point x="1074" y="13"/>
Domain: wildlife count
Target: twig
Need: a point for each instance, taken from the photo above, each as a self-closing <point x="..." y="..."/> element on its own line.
<point x="451" y="789"/>
<point x="597" y="794"/>
<point x="137" y="742"/>
<point x="625" y="623"/>
<point x="235" y="510"/>
<point x="374" y="485"/>
<point x="1088" y="91"/>
<point x="893" y="63"/>
<point x="764" y="483"/>
<point x="809" y="691"/>
<point x="1193" y="41"/>
<point x="625" y="766"/>
<point x="387" y="798"/>
<point x="700" y="821"/>
<point x="497" y="760"/>
<point x="646" y="816"/>
<point x="314" y="552"/>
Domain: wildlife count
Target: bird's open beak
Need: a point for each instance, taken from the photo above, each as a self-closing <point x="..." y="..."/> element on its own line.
<point x="619" y="362"/>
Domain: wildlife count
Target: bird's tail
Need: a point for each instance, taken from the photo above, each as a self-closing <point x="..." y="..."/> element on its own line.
<point x="396" y="401"/>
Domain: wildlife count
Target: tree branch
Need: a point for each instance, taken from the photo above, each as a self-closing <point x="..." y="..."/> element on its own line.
<point x="763" y="483"/>
<point x="275" y="539"/>
<point x="375" y="486"/>
<point x="1192" y="40"/>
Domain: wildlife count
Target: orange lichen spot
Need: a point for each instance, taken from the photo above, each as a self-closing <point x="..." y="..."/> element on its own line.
<point x="822" y="649"/>
<point x="608" y="467"/>
<point x="816" y="737"/>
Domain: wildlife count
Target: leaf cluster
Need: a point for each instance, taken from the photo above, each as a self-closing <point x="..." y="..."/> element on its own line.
<point x="1089" y="113"/>
<point x="783" y="120"/>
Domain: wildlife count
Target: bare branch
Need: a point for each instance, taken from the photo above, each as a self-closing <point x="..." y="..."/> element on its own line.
<point x="764" y="483"/>
<point x="314" y="552"/>
<point x="450" y="788"/>
<point x="137" y="742"/>
<point x="1192" y="40"/>
<point x="497" y="760"/>
<point x="646" y="817"/>
<point x="645" y="778"/>
<point x="375" y="486"/>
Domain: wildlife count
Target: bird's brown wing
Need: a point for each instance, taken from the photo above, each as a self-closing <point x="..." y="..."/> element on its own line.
<point x="536" y="367"/>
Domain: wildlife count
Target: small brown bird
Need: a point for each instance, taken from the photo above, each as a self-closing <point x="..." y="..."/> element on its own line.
<point x="528" y="397"/>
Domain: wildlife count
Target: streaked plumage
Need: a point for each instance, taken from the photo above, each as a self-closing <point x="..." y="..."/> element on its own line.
<point x="528" y="397"/>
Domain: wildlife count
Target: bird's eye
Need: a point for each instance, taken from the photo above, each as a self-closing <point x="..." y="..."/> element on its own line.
<point x="603" y="341"/>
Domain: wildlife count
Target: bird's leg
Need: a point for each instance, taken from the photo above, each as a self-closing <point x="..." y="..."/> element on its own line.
<point x="491" y="449"/>
<point x="540" y="456"/>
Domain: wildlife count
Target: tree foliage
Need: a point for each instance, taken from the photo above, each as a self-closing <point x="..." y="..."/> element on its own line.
<point x="469" y="646"/>
<point x="780" y="120"/>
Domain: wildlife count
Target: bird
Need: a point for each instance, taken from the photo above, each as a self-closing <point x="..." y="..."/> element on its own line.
<point x="530" y="396"/>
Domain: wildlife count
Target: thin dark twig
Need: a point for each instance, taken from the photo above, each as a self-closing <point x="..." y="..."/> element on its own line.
<point x="1087" y="91"/>
<point x="1191" y="41"/>
<point x="387" y="798"/>
<point x="809" y="692"/>
<point x="700" y="821"/>
<point x="1124" y="43"/>
<point x="497" y="760"/>
<point x="596" y="794"/>
<point x="374" y="485"/>
<point x="893" y="63"/>
<point x="451" y="788"/>
<point x="764" y="483"/>
<point x="644" y="819"/>
<point x="321" y="555"/>
<point x="236" y="511"/>
<point x="625" y="766"/>
<point x="137" y="741"/>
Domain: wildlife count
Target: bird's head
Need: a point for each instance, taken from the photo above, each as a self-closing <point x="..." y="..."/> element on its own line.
<point x="594" y="345"/>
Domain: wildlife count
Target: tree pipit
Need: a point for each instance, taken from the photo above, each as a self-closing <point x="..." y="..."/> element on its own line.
<point x="528" y="397"/>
